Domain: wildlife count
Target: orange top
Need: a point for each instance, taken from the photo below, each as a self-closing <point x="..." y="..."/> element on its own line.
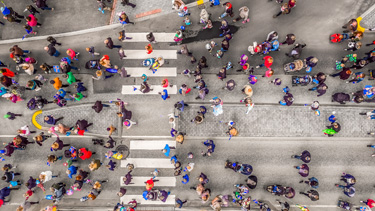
<point x="57" y="84"/>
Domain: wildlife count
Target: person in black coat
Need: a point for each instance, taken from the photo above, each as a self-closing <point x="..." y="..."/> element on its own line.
<point x="83" y="124"/>
<point x="341" y="97"/>
<point x="110" y="143"/>
<point x="31" y="183"/>
<point x="109" y="43"/>
<point x="98" y="106"/>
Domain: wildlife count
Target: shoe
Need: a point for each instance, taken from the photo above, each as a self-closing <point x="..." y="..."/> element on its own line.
<point x="292" y="156"/>
<point x="373" y="155"/>
<point x="234" y="21"/>
<point x="257" y="66"/>
<point x="301" y="181"/>
<point x="337" y="185"/>
<point x="53" y="9"/>
<point x="347" y="82"/>
<point x="274" y="16"/>
<point x="219" y="18"/>
<point x="301" y="193"/>
<point x="243" y="22"/>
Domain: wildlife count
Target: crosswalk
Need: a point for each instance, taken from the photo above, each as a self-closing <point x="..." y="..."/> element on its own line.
<point x="165" y="71"/>
<point x="163" y="183"/>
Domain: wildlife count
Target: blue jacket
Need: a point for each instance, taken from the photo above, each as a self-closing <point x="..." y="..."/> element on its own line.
<point x="61" y="92"/>
<point x="185" y="177"/>
<point x="168" y="150"/>
<point x="165" y="95"/>
<point x="73" y="170"/>
<point x="50" y="120"/>
<point x="215" y="2"/>
<point x="80" y="87"/>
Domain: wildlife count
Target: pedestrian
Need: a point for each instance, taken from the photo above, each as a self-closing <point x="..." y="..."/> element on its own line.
<point x="83" y="124"/>
<point x="109" y="43"/>
<point x="353" y="46"/>
<point x="25" y="131"/>
<point x="11" y="116"/>
<point x="31" y="10"/>
<point x="351" y="26"/>
<point x="369" y="202"/>
<point x="72" y="170"/>
<point x="305" y="156"/>
<point x="58" y="145"/>
<point x="348" y="189"/>
<point x="244" y="14"/>
<point x="51" y="50"/>
<point x="91" y="50"/>
<point x="46" y="68"/>
<point x="102" y="6"/>
<point x="344" y="74"/>
<point x="185" y="179"/>
<point x="151" y="38"/>
<point x="224" y="28"/>
<point x="49" y="119"/>
<point x="164" y="94"/>
<point x="94" y="165"/>
<point x="46" y="176"/>
<point x="184" y="50"/>
<point x="148" y="49"/>
<point x="228" y="10"/>
<point x="303" y="170"/>
<point x="217" y="105"/>
<point x="321" y="89"/>
<point x="167" y="150"/>
<point x="358" y="77"/>
<point x="290" y="39"/>
<point x="180" y="203"/>
<point x="210" y="148"/>
<point x="335" y="127"/>
<point x="312" y="182"/>
<point x="52" y="41"/>
<point x="84" y="153"/>
<point x="72" y="54"/>
<point x="312" y="194"/>
<point x="124" y="19"/>
<point x="268" y="61"/>
<point x="296" y="52"/>
<point x="287" y="99"/>
<point x="127" y="3"/>
<point x="283" y="10"/>
<point x="128" y="123"/>
<point x="32" y="21"/>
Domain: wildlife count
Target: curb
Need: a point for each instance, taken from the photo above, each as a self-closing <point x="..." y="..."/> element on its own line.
<point x="96" y="29"/>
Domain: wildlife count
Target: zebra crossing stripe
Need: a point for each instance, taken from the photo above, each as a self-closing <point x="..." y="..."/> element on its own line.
<point x="141" y="54"/>
<point x="161" y="72"/>
<point x="135" y="90"/>
<point x="141" y="37"/>
<point x="148" y="163"/>
<point x="150" y="145"/>
<point x="139" y="198"/>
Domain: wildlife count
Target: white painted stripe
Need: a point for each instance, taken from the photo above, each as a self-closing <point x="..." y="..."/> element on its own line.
<point x="141" y="37"/>
<point x="150" y="145"/>
<point x="139" y="198"/>
<point x="161" y="72"/>
<point x="140" y="181"/>
<point x="129" y="90"/>
<point x="142" y="54"/>
<point x="148" y="163"/>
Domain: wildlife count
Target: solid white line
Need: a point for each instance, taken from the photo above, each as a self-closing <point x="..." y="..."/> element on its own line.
<point x="141" y="37"/>
<point x="150" y="145"/>
<point x="129" y="90"/>
<point x="161" y="72"/>
<point x="148" y="163"/>
<point x="139" y="198"/>
<point x="140" y="181"/>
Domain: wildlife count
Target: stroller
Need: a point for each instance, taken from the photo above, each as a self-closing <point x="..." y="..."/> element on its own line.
<point x="92" y="64"/>
<point x="301" y="80"/>
<point x="338" y="38"/>
<point x="295" y="66"/>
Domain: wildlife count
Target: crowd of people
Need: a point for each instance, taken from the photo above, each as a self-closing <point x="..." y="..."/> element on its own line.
<point x="74" y="90"/>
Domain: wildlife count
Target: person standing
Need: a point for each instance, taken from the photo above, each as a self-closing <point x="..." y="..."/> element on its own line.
<point x="283" y="10"/>
<point x="51" y="50"/>
<point x="58" y="145"/>
<point x="51" y="120"/>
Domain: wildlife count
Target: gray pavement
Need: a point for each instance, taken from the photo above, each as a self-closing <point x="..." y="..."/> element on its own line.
<point x="276" y="121"/>
<point x="269" y="156"/>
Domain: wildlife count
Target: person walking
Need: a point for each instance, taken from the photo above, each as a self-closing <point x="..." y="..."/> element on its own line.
<point x="312" y="194"/>
<point x="11" y="116"/>
<point x="305" y="156"/>
<point x="58" y="145"/>
<point x="127" y="3"/>
<point x="321" y="89"/>
<point x="84" y="153"/>
<point x="109" y="43"/>
<point x="167" y="150"/>
<point x="284" y="9"/>
<point x="49" y="119"/>
<point x="244" y="14"/>
<point x="124" y="19"/>
<point x="51" y="50"/>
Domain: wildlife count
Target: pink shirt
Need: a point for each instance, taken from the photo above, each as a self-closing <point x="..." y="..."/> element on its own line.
<point x="33" y="22"/>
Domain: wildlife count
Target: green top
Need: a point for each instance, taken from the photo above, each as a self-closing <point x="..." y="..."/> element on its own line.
<point x="80" y="96"/>
<point x="71" y="79"/>
<point x="351" y="58"/>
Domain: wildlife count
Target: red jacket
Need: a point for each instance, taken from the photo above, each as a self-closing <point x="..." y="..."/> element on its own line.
<point x="266" y="62"/>
<point x="86" y="153"/>
<point x="370" y="203"/>
<point x="8" y="73"/>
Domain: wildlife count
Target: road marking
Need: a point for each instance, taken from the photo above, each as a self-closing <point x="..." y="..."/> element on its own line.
<point x="148" y="163"/>
<point x="141" y="37"/>
<point x="142" y="54"/>
<point x="150" y="145"/>
<point x="161" y="72"/>
<point x="140" y="181"/>
<point x="129" y="90"/>
<point x="139" y="198"/>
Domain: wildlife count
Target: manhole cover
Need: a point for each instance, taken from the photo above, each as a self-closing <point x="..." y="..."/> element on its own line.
<point x="124" y="150"/>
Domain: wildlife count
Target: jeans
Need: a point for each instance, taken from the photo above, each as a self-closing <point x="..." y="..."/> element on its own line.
<point x="57" y="53"/>
<point x="282" y="103"/>
<point x="117" y="46"/>
<point x="261" y="65"/>
<point x="314" y="88"/>
<point x="296" y="156"/>
<point x="335" y="75"/>
<point x="46" y="8"/>
<point x="74" y="68"/>
<point x="223" y="15"/>
<point x="105" y="105"/>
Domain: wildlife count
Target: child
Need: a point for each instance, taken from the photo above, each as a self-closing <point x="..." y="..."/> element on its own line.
<point x="186" y="73"/>
<point x="219" y="54"/>
<point x="128" y="124"/>
<point x="187" y="21"/>
<point x="155" y="173"/>
<point x="208" y="25"/>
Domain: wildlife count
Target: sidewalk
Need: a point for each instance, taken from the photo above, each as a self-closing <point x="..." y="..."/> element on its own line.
<point x="368" y="17"/>
<point x="275" y="121"/>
